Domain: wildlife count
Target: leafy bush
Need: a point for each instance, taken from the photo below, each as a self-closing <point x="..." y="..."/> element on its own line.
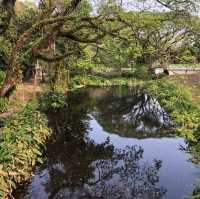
<point x="21" y="141"/>
<point x="142" y="72"/>
<point x="52" y="100"/>
<point x="3" y="104"/>
<point x="188" y="59"/>
<point x="84" y="65"/>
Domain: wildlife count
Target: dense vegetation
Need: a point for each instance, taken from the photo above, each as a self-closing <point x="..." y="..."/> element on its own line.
<point x="22" y="140"/>
<point x="78" y="37"/>
<point x="78" y="43"/>
<point x="52" y="100"/>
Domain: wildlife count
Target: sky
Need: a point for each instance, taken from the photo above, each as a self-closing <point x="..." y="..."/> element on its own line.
<point x="129" y="4"/>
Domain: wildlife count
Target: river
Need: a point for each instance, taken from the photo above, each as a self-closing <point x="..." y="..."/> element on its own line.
<point x="113" y="143"/>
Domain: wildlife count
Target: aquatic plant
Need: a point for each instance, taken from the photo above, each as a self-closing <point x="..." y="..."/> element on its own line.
<point x="21" y="141"/>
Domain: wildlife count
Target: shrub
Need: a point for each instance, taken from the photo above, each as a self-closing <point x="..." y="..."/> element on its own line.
<point x="21" y="141"/>
<point x="187" y="59"/>
<point x="52" y="100"/>
<point x="142" y="72"/>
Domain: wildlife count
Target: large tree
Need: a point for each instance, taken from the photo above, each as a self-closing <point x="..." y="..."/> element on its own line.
<point x="53" y="20"/>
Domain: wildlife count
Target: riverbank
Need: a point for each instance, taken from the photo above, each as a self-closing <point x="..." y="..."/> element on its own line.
<point x="18" y="100"/>
<point x="22" y="141"/>
<point x="94" y="80"/>
<point x="178" y="101"/>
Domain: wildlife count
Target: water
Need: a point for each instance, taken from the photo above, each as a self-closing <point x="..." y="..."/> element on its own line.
<point x="113" y="143"/>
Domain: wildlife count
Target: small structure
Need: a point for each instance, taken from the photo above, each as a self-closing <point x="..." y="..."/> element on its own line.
<point x="171" y="70"/>
<point x="158" y="70"/>
<point x="182" y="70"/>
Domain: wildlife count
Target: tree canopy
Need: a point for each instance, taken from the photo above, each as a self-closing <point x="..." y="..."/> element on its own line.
<point x="31" y="34"/>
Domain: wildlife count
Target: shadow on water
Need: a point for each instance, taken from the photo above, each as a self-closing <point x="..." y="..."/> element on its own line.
<point x="103" y="147"/>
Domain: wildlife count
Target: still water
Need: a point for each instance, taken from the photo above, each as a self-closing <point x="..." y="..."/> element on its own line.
<point x="113" y="143"/>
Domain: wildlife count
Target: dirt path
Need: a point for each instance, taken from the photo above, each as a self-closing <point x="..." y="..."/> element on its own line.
<point x="23" y="94"/>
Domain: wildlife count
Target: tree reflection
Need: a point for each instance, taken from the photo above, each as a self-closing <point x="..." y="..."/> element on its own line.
<point x="79" y="168"/>
<point x="124" y="175"/>
<point x="102" y="172"/>
<point x="131" y="112"/>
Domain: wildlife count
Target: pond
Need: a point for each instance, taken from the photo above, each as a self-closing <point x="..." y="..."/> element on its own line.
<point x="113" y="143"/>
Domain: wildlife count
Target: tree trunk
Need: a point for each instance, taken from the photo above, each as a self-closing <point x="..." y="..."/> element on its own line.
<point x="12" y="78"/>
<point x="6" y="90"/>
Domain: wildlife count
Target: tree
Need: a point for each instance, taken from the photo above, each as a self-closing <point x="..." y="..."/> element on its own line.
<point x="6" y="12"/>
<point x="159" y="33"/>
<point x="53" y="20"/>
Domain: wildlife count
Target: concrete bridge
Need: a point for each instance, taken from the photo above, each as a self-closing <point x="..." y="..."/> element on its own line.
<point x="176" y="70"/>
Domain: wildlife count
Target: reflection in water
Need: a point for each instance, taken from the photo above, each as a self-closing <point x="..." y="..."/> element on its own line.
<point x="117" y="176"/>
<point x="83" y="163"/>
<point x="131" y="111"/>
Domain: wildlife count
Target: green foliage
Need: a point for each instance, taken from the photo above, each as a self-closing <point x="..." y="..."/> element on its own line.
<point x="52" y="100"/>
<point x="3" y="104"/>
<point x="187" y="57"/>
<point x="84" y="65"/>
<point x="92" y="80"/>
<point x="117" y="54"/>
<point x="2" y="77"/>
<point x="5" y="49"/>
<point x="177" y="100"/>
<point x="21" y="141"/>
<point x="141" y="72"/>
